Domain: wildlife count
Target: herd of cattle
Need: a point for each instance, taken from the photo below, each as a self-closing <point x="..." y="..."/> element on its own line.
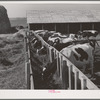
<point x="78" y="48"/>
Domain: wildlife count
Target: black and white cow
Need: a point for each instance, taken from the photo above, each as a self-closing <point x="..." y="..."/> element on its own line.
<point x="58" y="38"/>
<point x="42" y="50"/>
<point x="81" y="55"/>
<point x="88" y="33"/>
<point x="63" y="41"/>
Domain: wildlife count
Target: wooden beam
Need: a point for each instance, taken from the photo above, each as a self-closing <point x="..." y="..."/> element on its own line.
<point x="67" y="28"/>
<point x="64" y="75"/>
<point x="58" y="65"/>
<point x="93" y="26"/>
<point x="76" y="79"/>
<point x="28" y="27"/>
<point x="80" y="27"/>
<point x="83" y="83"/>
<point x="55" y="27"/>
<point x="70" y="77"/>
<point x="42" y="27"/>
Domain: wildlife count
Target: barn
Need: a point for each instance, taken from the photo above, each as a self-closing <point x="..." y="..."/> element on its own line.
<point x="70" y="21"/>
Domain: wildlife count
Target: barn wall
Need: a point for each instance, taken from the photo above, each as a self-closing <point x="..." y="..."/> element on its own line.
<point x="97" y="26"/>
<point x="66" y="28"/>
<point x="74" y="27"/>
<point x="50" y="26"/>
<point x="35" y="26"/>
<point x="61" y="27"/>
<point x="86" y="26"/>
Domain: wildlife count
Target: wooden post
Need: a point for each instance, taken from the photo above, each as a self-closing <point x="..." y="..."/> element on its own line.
<point x="61" y="65"/>
<point x="28" y="26"/>
<point x="27" y="74"/>
<point x="31" y="72"/>
<point x="80" y="27"/>
<point x="54" y="53"/>
<point x="31" y="78"/>
<point x="83" y="83"/>
<point x="50" y="55"/>
<point x="42" y="27"/>
<point x="55" y="28"/>
<point x="47" y="50"/>
<point x="58" y="65"/>
<point x="27" y="64"/>
<point x="70" y="76"/>
<point x="68" y="28"/>
<point x="76" y="79"/>
<point x="92" y="26"/>
<point x="64" y="75"/>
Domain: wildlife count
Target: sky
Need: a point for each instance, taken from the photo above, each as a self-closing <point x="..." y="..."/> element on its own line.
<point x="19" y="9"/>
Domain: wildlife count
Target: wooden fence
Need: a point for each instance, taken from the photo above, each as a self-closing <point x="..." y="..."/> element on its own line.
<point x="69" y="74"/>
<point x="28" y="67"/>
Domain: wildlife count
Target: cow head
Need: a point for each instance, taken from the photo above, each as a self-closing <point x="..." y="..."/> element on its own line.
<point x="38" y="44"/>
<point x="49" y="70"/>
<point x="42" y="51"/>
<point x="33" y="40"/>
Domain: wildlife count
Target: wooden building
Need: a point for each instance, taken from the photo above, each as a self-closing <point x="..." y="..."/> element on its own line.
<point x="69" y="21"/>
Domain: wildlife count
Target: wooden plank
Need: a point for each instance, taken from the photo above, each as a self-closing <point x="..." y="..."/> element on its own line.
<point x="93" y="26"/>
<point x="27" y="74"/>
<point x="50" y="55"/>
<point x="83" y="83"/>
<point x="80" y="27"/>
<point x="70" y="76"/>
<point x="28" y="27"/>
<point x="64" y="75"/>
<point x="31" y="78"/>
<point x="54" y="53"/>
<point x="61" y="65"/>
<point x="58" y="65"/>
<point x="55" y="27"/>
<point x="76" y="79"/>
<point x="68" y="29"/>
<point x="42" y="27"/>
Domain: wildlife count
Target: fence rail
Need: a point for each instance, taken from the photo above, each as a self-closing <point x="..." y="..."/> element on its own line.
<point x="67" y="77"/>
<point x="28" y="67"/>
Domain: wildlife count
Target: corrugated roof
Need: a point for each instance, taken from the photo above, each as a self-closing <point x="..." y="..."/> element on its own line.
<point x="41" y="16"/>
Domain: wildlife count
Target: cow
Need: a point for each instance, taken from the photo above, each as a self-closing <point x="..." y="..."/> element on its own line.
<point x="61" y="42"/>
<point x="42" y="50"/>
<point x="45" y="34"/>
<point x="88" y="33"/>
<point x="37" y="44"/>
<point x="61" y="38"/>
<point x="81" y="55"/>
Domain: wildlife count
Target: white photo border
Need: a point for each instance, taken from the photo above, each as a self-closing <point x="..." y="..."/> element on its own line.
<point x="44" y="94"/>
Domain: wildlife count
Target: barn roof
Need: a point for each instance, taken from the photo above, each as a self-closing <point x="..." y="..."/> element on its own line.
<point x="70" y="16"/>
